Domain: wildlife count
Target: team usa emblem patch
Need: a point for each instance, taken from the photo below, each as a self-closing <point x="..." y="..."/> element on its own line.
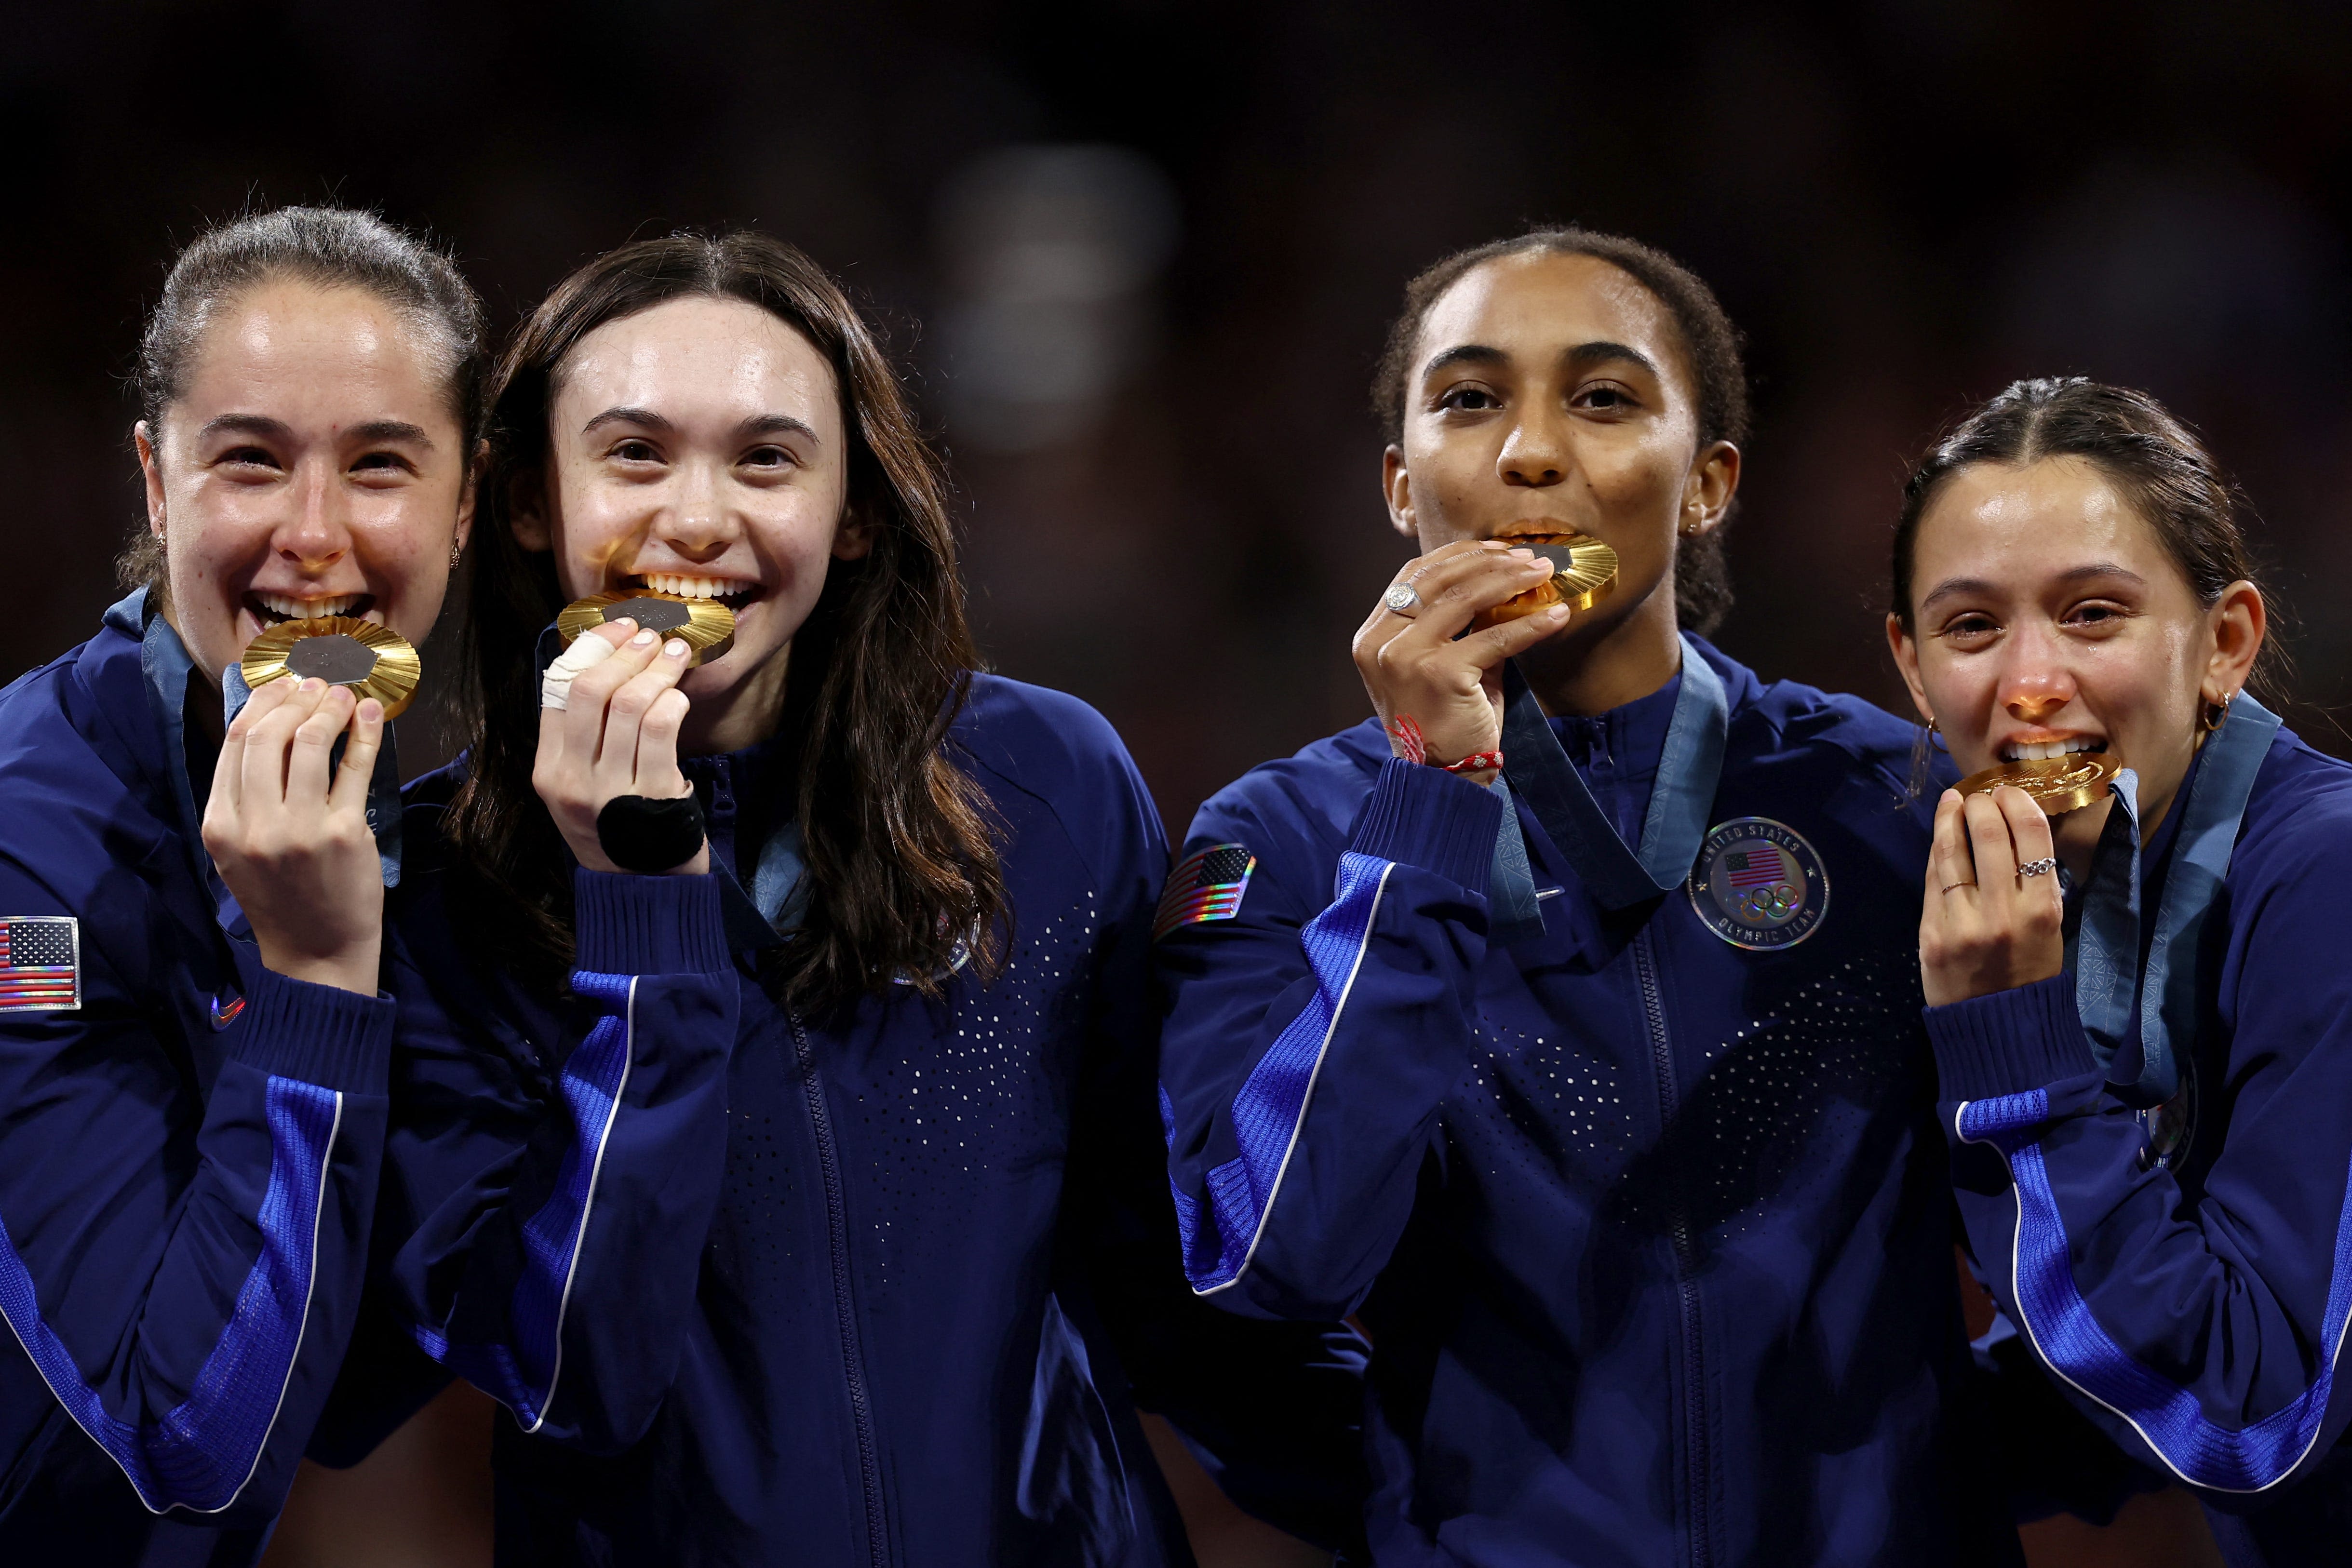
<point x="1758" y="884"/>
<point x="1206" y="884"/>
<point x="40" y="963"/>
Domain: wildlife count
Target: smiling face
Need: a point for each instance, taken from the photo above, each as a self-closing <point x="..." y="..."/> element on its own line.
<point x="312" y="464"/>
<point x="697" y="447"/>
<point x="1551" y="393"/>
<point x="2048" y="616"/>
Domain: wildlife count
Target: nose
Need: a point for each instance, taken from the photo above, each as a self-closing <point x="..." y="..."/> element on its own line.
<point x="320" y="534"/>
<point x="2037" y="684"/>
<point x="697" y="529"/>
<point x="1534" y="454"/>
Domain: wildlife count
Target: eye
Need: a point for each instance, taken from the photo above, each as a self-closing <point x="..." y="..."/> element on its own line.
<point x="1971" y="627"/>
<point x="634" y="450"/>
<point x="767" y="457"/>
<point x="1603" y="397"/>
<point x="1469" y="399"/>
<point x="2097" y="615"/>
<point x="246" y="457"/>
<point x="382" y="463"/>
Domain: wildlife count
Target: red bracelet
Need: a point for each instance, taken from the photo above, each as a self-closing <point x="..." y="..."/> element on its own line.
<point x="1477" y="762"/>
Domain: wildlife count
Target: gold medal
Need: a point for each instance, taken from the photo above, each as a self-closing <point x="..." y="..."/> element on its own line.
<point x="705" y="625"/>
<point x="2058" y="784"/>
<point x="340" y="650"/>
<point x="1583" y="573"/>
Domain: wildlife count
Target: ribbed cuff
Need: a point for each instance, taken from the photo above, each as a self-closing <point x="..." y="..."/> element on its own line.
<point x="2027" y="1038"/>
<point x="320" y="1034"/>
<point x="628" y="925"/>
<point x="1426" y="817"/>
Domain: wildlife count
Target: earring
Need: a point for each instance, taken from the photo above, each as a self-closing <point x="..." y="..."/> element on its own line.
<point x="2216" y="713"/>
<point x="454" y="551"/>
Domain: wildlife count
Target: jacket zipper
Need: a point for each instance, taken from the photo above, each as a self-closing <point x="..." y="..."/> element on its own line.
<point x="853" y="1356"/>
<point x="1678" y="1229"/>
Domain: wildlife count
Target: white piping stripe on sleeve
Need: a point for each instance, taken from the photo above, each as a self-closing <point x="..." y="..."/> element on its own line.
<point x="1265" y="1216"/>
<point x="588" y="1205"/>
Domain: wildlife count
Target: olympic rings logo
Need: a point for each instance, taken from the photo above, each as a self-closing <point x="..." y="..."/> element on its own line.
<point x="1768" y="906"/>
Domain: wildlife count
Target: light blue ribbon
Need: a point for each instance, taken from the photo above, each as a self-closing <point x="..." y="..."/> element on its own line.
<point x="1675" y="825"/>
<point x="2103" y="949"/>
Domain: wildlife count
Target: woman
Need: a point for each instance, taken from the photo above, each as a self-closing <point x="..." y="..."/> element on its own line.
<point x="1557" y="1018"/>
<point x="775" y="1129"/>
<point x="2137" y="1007"/>
<point x="193" y="1045"/>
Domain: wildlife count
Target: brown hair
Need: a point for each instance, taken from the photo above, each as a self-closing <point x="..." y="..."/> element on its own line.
<point x="1702" y="579"/>
<point x="327" y="246"/>
<point x="2154" y="460"/>
<point x="896" y="838"/>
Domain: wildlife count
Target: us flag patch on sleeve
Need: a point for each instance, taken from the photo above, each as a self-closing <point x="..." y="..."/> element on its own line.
<point x="40" y="963"/>
<point x="1207" y="885"/>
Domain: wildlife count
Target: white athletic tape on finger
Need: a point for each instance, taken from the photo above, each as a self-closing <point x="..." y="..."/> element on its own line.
<point x="585" y="653"/>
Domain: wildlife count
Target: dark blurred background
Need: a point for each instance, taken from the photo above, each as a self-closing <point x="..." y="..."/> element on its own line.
<point x="1140" y="255"/>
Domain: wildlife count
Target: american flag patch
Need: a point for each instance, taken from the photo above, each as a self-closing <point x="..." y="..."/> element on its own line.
<point x="40" y="963"/>
<point x="1758" y="865"/>
<point x="1207" y="885"/>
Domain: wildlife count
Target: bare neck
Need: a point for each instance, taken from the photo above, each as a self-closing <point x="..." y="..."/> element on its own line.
<point x="1589" y="671"/>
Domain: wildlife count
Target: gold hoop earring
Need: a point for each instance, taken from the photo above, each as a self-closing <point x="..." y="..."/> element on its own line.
<point x="2216" y="713"/>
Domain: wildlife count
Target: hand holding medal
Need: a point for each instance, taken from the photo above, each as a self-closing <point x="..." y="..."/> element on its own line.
<point x="288" y="829"/>
<point x="1416" y="661"/>
<point x="1993" y="919"/>
<point x="610" y="714"/>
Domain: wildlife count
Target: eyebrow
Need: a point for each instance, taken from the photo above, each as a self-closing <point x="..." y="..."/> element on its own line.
<point x="1586" y="355"/>
<point x="259" y="425"/>
<point x="1978" y="587"/>
<point x="1581" y="357"/>
<point x="391" y="430"/>
<point x="262" y="427"/>
<point x="758" y="424"/>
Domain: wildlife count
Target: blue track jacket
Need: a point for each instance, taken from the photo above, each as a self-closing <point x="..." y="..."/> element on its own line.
<point x="863" y="1289"/>
<point x="2186" y="1271"/>
<point x="1649" y="1230"/>
<point x="189" y="1143"/>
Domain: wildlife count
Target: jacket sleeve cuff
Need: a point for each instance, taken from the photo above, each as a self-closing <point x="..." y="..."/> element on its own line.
<point x="2026" y="1037"/>
<point x="320" y="1034"/>
<point x="1426" y="817"/>
<point x="626" y="925"/>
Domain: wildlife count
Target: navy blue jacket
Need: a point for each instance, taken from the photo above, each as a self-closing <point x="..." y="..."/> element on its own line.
<point x="1649" y="1231"/>
<point x="189" y="1143"/>
<point x="869" y="1287"/>
<point x="2191" y="1288"/>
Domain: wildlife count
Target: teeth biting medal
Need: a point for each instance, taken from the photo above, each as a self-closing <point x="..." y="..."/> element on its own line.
<point x="2058" y="784"/>
<point x="1583" y="573"/>
<point x="340" y="650"/>
<point x="706" y="626"/>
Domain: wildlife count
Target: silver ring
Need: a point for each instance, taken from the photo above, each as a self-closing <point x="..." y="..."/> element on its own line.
<point x="2041" y="867"/>
<point x="1956" y="886"/>
<point x="1401" y="599"/>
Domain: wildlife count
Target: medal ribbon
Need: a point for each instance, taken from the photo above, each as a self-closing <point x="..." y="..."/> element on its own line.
<point x="1671" y="829"/>
<point x="2103" y="949"/>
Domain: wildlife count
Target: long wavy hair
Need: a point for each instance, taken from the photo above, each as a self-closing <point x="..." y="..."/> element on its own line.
<point x="897" y="840"/>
